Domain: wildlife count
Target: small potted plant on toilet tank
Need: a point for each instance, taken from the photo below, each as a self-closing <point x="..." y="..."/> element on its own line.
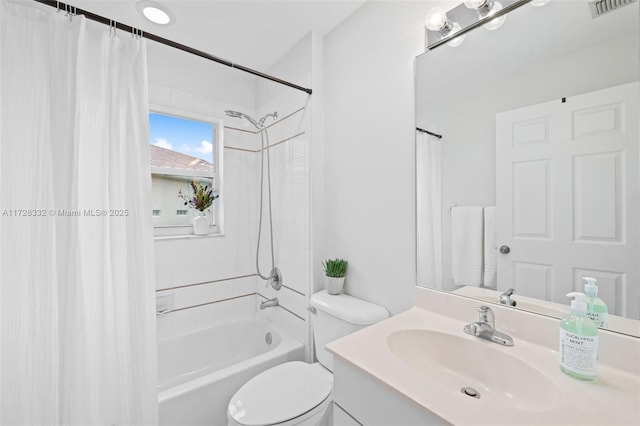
<point x="334" y="271"/>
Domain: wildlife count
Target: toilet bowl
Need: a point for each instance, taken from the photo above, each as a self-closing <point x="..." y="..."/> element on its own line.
<point x="297" y="393"/>
<point x="292" y="393"/>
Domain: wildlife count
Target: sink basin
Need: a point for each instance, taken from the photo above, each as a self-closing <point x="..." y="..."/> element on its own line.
<point x="458" y="362"/>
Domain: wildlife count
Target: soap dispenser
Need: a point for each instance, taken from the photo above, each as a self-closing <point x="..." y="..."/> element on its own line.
<point x="578" y="341"/>
<point x="596" y="308"/>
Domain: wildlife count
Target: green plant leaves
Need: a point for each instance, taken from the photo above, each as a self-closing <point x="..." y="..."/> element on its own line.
<point x="335" y="268"/>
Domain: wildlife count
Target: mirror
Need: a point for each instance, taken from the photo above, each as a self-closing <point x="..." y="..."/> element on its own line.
<point x="538" y="118"/>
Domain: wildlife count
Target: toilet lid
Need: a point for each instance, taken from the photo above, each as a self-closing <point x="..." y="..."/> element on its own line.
<point x="281" y="393"/>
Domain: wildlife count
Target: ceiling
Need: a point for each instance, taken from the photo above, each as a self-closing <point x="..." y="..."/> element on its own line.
<point x="252" y="33"/>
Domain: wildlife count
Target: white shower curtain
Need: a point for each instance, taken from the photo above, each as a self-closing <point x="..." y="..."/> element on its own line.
<point x="429" y="200"/>
<point x="77" y="315"/>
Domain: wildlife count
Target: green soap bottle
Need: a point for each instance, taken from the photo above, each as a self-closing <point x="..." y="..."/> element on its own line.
<point x="579" y="341"/>
<point x="596" y="308"/>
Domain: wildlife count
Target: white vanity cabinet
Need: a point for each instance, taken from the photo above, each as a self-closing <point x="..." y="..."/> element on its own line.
<point x="361" y="399"/>
<point x="342" y="418"/>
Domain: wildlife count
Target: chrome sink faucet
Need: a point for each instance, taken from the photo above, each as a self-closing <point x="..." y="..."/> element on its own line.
<point x="269" y="303"/>
<point x="485" y="327"/>
<point x="505" y="298"/>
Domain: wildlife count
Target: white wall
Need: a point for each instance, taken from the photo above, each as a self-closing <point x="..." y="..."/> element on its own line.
<point x="316" y="105"/>
<point x="369" y="153"/>
<point x="180" y="70"/>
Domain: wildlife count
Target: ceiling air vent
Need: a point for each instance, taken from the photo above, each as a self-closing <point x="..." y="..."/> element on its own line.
<point x="600" y="7"/>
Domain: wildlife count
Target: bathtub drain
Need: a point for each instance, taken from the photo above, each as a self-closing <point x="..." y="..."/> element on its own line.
<point x="268" y="338"/>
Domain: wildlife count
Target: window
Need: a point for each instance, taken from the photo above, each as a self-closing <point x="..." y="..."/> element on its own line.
<point x="185" y="149"/>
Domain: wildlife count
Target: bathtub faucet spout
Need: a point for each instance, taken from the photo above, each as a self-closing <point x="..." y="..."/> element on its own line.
<point x="269" y="303"/>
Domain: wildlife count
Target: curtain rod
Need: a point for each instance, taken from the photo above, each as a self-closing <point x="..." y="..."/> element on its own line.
<point x="435" y="135"/>
<point x="106" y="21"/>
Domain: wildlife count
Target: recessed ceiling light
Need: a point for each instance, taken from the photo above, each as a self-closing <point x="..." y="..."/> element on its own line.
<point x="155" y="12"/>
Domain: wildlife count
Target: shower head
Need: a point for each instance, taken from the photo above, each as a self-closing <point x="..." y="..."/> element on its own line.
<point x="259" y="124"/>
<point x="237" y="114"/>
<point x="274" y="115"/>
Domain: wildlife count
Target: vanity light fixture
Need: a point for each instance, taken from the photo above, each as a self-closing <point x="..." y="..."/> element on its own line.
<point x="450" y="27"/>
<point x="155" y="12"/>
<point x="485" y="9"/>
<point x="437" y="20"/>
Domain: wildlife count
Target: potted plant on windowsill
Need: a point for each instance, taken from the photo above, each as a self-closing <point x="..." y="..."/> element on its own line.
<point x="334" y="271"/>
<point x="201" y="200"/>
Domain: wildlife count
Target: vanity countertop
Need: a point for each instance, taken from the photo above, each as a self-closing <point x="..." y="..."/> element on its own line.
<point x="613" y="399"/>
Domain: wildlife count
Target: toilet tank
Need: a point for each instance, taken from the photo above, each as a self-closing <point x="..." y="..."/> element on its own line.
<point x="338" y="315"/>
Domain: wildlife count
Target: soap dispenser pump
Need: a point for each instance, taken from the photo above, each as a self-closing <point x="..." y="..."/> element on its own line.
<point x="596" y="308"/>
<point x="578" y="341"/>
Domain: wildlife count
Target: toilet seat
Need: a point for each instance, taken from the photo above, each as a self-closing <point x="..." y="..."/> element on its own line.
<point x="281" y="394"/>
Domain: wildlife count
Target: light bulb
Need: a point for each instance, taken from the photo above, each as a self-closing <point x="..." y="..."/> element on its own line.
<point x="474" y="4"/>
<point x="436" y="19"/>
<point x="538" y="3"/>
<point x="496" y="23"/>
<point x="456" y="41"/>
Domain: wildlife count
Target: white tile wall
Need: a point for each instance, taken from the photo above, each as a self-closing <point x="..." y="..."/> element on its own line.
<point x="291" y="189"/>
<point x="184" y="321"/>
<point x="184" y="297"/>
<point x="284" y="319"/>
<point x="211" y="261"/>
<point x="208" y="260"/>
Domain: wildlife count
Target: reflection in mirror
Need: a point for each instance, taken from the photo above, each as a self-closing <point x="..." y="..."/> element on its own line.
<point x="535" y="182"/>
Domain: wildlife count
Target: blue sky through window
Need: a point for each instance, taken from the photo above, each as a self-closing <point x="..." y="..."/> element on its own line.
<point x="189" y="137"/>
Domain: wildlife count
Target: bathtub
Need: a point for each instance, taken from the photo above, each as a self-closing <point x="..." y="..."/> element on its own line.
<point x="199" y="372"/>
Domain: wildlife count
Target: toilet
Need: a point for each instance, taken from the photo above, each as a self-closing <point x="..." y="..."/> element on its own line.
<point x="297" y="393"/>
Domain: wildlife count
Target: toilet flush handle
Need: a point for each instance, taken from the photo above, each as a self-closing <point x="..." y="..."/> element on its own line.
<point x="312" y="309"/>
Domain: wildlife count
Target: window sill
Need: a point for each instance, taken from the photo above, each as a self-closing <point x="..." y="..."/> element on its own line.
<point x="183" y="232"/>
<point x="186" y="236"/>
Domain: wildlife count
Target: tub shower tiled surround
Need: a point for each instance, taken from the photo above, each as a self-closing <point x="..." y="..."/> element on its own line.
<point x="291" y="183"/>
<point x="213" y="279"/>
<point x="204" y="304"/>
<point x="290" y="189"/>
